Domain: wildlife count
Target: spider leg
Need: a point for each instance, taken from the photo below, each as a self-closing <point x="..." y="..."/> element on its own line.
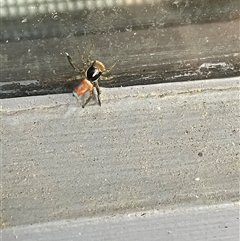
<point x="89" y="61"/>
<point x="85" y="65"/>
<point x="74" y="78"/>
<point x="88" y="99"/>
<point x="73" y="64"/>
<point x="108" y="70"/>
<point x="96" y="85"/>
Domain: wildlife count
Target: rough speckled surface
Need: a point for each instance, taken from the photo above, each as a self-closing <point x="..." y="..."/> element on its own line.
<point x="217" y="222"/>
<point x="147" y="147"/>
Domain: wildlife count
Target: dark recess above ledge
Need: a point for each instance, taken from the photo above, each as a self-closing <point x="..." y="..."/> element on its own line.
<point x="165" y="42"/>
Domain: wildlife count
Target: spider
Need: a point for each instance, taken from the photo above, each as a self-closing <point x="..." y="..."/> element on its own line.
<point x="92" y="75"/>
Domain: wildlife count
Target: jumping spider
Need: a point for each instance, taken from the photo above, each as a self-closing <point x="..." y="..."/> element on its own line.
<point x="92" y="75"/>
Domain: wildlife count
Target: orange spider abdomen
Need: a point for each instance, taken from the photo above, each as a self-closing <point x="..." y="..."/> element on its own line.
<point x="83" y="87"/>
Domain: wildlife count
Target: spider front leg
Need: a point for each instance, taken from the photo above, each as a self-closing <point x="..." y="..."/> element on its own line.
<point x="96" y="85"/>
<point x="108" y="70"/>
<point x="73" y="64"/>
<point x="89" y="61"/>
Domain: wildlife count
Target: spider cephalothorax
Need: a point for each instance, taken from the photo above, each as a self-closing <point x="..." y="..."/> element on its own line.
<point x="95" y="70"/>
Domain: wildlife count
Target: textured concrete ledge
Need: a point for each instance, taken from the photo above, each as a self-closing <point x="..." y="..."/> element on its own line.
<point x="148" y="147"/>
<point x="116" y="94"/>
<point x="219" y="222"/>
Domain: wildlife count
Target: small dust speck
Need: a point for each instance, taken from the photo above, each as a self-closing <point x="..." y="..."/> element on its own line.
<point x="200" y="154"/>
<point x="24" y="20"/>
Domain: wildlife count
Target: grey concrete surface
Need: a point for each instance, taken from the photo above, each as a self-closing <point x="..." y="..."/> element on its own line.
<point x="157" y="147"/>
<point x="209" y="223"/>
